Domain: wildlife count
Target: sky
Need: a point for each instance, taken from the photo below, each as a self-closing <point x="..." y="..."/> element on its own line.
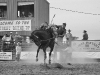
<point x="79" y="15"/>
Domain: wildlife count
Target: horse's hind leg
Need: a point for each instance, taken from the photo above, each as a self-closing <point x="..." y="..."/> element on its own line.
<point x="37" y="53"/>
<point x="45" y="56"/>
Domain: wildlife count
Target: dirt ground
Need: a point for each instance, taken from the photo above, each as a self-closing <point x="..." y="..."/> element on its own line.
<point x="22" y="68"/>
<point x="26" y="68"/>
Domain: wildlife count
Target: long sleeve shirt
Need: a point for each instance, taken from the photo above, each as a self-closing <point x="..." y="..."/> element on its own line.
<point x="85" y="36"/>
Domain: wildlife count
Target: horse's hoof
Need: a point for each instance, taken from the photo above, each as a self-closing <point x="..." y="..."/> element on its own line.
<point x="49" y="62"/>
<point x="36" y="60"/>
<point x="69" y="63"/>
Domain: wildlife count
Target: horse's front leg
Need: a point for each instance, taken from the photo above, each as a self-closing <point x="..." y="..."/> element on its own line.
<point x="37" y="53"/>
<point x="50" y="53"/>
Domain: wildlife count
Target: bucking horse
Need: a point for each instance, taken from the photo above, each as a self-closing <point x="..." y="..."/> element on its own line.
<point x="44" y="39"/>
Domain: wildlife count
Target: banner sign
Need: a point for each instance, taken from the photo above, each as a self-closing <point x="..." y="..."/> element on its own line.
<point x="86" y="46"/>
<point x="5" y="55"/>
<point x="15" y="25"/>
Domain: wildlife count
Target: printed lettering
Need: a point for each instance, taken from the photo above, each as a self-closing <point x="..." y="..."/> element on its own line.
<point x="18" y="22"/>
<point x="6" y="23"/>
<point x="18" y="28"/>
<point x="25" y="22"/>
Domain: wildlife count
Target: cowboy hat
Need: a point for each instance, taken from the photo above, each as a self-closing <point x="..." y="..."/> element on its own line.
<point x="84" y="31"/>
<point x="69" y="30"/>
<point x="64" y="24"/>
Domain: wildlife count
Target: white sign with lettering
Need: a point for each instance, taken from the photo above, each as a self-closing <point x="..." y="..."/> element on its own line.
<point x="86" y="46"/>
<point x="86" y="49"/>
<point x="15" y="25"/>
<point x="5" y="55"/>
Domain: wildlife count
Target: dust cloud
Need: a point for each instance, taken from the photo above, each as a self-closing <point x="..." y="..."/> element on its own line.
<point x="60" y="54"/>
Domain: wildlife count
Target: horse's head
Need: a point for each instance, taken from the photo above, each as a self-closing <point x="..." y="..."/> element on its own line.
<point x="31" y="36"/>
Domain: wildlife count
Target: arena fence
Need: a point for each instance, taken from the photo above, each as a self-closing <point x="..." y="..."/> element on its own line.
<point x="7" y="50"/>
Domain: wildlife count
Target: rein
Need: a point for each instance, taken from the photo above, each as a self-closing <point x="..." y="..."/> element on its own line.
<point x="43" y="40"/>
